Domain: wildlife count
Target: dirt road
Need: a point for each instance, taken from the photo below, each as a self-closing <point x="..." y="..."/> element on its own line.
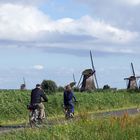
<point x="118" y="113"/>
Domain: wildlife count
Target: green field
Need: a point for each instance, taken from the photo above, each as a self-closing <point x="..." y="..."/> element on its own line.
<point x="13" y="111"/>
<point x="13" y="103"/>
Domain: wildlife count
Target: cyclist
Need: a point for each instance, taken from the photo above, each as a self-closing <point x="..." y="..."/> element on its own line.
<point x="37" y="95"/>
<point x="68" y="99"/>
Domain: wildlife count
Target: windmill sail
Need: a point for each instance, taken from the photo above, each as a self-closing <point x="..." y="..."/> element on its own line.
<point x="24" y="81"/>
<point x="93" y="68"/>
<point x="74" y="78"/>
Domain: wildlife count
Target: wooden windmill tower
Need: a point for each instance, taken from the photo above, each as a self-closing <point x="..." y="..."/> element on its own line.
<point x="23" y="86"/>
<point x="132" y="80"/>
<point x="88" y="77"/>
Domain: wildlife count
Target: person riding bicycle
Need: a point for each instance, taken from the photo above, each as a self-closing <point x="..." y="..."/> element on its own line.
<point x="37" y="95"/>
<point x="68" y="99"/>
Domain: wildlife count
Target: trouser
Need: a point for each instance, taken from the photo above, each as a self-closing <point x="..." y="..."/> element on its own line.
<point x="41" y="108"/>
<point x="71" y="107"/>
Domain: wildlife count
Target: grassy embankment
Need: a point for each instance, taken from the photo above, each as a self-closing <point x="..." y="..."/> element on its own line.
<point x="13" y="104"/>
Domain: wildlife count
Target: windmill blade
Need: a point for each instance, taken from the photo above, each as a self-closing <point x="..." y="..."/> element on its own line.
<point x="127" y="82"/>
<point x="79" y="81"/>
<point x="132" y="69"/>
<point x="126" y="78"/>
<point x="93" y="68"/>
<point x="74" y="78"/>
<point x="137" y="77"/>
<point x="24" y="81"/>
<point x="92" y="61"/>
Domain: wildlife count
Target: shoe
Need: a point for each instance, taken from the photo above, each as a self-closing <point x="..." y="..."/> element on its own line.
<point x="71" y="115"/>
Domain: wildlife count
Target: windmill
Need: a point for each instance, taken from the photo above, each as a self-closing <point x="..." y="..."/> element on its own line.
<point x="23" y="86"/>
<point x="132" y="80"/>
<point x="72" y="84"/>
<point x="88" y="76"/>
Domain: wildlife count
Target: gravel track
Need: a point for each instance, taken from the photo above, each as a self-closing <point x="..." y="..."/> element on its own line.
<point x="118" y="113"/>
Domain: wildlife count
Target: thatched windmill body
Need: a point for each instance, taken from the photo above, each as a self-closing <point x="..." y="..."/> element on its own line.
<point x="87" y="80"/>
<point x="88" y="76"/>
<point x="132" y="80"/>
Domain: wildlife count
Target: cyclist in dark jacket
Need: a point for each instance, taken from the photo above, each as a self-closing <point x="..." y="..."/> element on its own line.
<point x="68" y="98"/>
<point x="37" y="95"/>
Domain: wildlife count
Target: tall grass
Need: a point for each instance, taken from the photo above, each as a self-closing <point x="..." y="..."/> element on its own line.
<point x="13" y="103"/>
<point x="113" y="128"/>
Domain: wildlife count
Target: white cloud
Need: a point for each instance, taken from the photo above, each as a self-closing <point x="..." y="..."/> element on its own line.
<point x="27" y="23"/>
<point x="130" y="2"/>
<point x="19" y="22"/>
<point x="38" y="67"/>
<point x="28" y="26"/>
<point x="106" y="32"/>
<point x="25" y="2"/>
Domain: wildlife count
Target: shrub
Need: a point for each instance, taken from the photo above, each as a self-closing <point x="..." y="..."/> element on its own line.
<point x="76" y="89"/>
<point x="60" y="89"/>
<point x="49" y="86"/>
<point x="106" y="87"/>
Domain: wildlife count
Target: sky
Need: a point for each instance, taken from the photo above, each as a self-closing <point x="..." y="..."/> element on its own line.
<point x="51" y="39"/>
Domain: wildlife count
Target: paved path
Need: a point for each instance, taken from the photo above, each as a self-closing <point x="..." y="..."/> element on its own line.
<point x="132" y="111"/>
<point x="5" y="129"/>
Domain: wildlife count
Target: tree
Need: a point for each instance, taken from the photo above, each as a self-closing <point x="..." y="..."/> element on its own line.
<point x="60" y="89"/>
<point x="106" y="87"/>
<point x="49" y="86"/>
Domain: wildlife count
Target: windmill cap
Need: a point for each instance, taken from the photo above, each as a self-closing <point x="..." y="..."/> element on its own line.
<point x="88" y="72"/>
<point x="38" y="85"/>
